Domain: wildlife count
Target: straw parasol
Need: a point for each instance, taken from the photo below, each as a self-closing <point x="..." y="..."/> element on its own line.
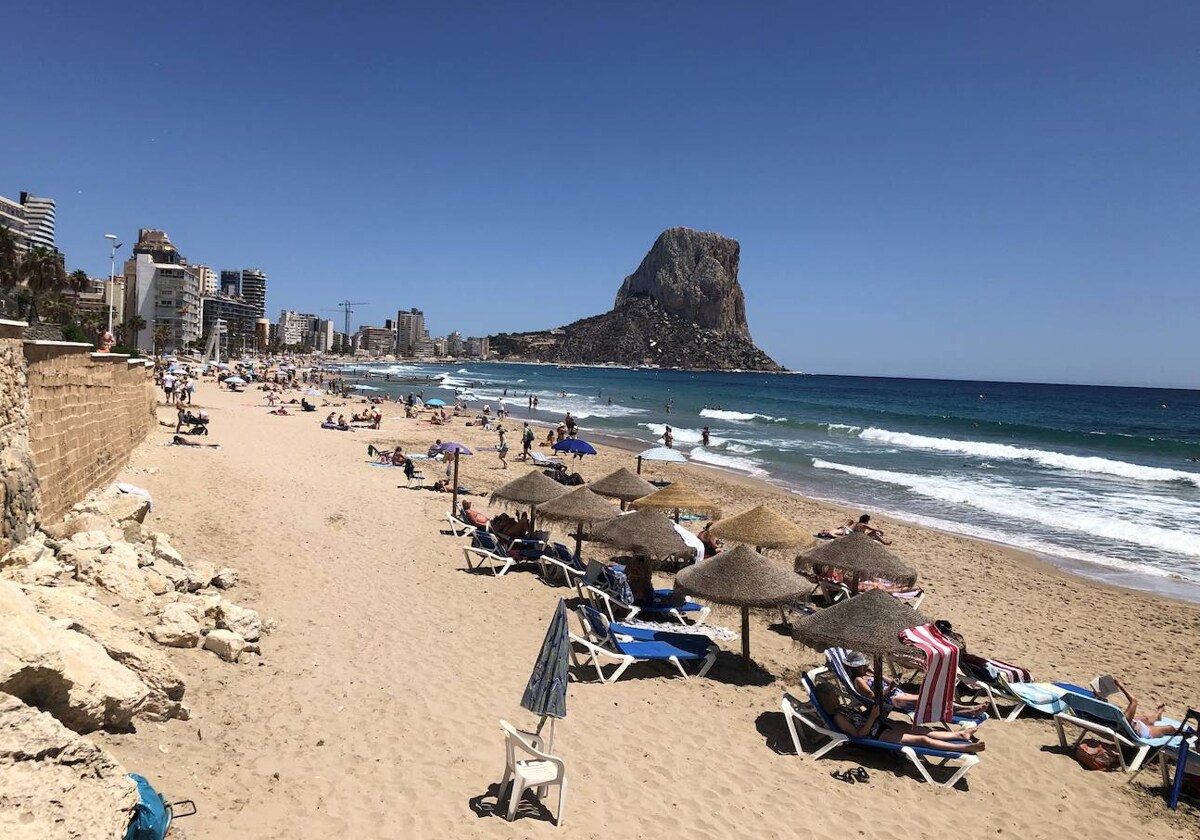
<point x="646" y="533"/>
<point x="741" y="577"/>
<point x="581" y="506"/>
<point x="677" y="496"/>
<point x="761" y="527"/>
<point x="870" y="623"/>
<point x="531" y="489"/>
<point x="622" y="485"/>
<point x="861" y="556"/>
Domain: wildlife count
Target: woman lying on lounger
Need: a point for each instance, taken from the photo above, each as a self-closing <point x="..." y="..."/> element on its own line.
<point x="859" y="724"/>
<point x="1148" y="726"/>
<point x="856" y="665"/>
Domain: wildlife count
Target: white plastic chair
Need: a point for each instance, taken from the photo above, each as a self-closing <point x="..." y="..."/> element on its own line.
<point x="539" y="771"/>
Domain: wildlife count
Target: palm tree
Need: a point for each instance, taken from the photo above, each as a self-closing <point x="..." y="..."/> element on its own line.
<point x="134" y="325"/>
<point x="10" y="258"/>
<point x="43" y="272"/>
<point x="162" y="334"/>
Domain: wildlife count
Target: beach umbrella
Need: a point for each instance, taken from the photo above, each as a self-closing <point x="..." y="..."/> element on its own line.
<point x="581" y="506"/>
<point x="761" y="527"/>
<point x="860" y="556"/>
<point x="574" y="446"/>
<point x="454" y="448"/>
<point x="660" y="453"/>
<point x="869" y="623"/>
<point x="235" y="380"/>
<point x="436" y="403"/>
<point x="312" y="392"/>
<point x="741" y="577"/>
<point x="531" y="489"/>
<point x="644" y="533"/>
<point x="622" y="485"/>
<point x="677" y="496"/>
<point x="546" y="692"/>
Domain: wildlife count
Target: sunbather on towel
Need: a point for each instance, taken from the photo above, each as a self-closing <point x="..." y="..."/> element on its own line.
<point x="858" y="724"/>
<point x="864" y="526"/>
<point x="856" y="665"/>
<point x="1147" y="726"/>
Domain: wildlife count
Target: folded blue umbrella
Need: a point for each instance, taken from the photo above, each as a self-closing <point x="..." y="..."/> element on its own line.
<point x="575" y="445"/>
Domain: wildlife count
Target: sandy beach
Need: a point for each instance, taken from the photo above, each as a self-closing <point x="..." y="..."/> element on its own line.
<point x="374" y="711"/>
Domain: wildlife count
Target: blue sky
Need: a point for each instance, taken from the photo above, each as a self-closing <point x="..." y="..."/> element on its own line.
<point x="1000" y="191"/>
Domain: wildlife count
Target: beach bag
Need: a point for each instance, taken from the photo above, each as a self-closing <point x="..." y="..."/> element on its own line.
<point x="1096" y="755"/>
<point x="151" y="816"/>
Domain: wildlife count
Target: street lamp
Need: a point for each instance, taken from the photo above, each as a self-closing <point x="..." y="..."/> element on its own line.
<point x="112" y="274"/>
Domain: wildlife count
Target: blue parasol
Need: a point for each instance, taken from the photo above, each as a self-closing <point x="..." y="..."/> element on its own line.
<point x="546" y="693"/>
<point x="435" y="403"/>
<point x="575" y="445"/>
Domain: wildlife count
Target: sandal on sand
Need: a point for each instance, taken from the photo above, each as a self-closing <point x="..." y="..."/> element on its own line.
<point x="843" y="775"/>
<point x="861" y="774"/>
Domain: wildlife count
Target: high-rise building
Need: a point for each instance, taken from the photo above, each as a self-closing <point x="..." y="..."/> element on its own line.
<point x="231" y="283"/>
<point x="209" y="280"/>
<point x="12" y="217"/>
<point x="39" y="221"/>
<point x="294" y="326"/>
<point x="163" y="291"/>
<point x="410" y="329"/>
<point x="478" y="346"/>
<point x="454" y="344"/>
<point x="375" y="341"/>
<point x="241" y="321"/>
<point x="254" y="289"/>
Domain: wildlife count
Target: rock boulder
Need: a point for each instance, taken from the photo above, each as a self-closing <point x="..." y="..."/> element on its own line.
<point x="225" y="644"/>
<point x="55" y="784"/>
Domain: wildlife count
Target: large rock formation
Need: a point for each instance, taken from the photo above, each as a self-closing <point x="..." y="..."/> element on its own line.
<point x="682" y="308"/>
<point x="693" y="275"/>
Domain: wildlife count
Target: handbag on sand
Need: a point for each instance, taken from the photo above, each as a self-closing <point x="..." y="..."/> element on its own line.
<point x="1096" y="755"/>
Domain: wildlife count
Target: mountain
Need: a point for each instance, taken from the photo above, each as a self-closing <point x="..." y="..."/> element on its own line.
<point x="683" y="307"/>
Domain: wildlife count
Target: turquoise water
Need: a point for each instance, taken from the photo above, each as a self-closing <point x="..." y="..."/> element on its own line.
<point x="1097" y="479"/>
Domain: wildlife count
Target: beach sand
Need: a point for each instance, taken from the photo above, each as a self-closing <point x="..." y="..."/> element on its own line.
<point x="374" y="710"/>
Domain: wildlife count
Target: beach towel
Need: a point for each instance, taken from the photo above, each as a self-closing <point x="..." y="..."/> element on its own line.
<point x="134" y="490"/>
<point x="151" y="817"/>
<point x="935" y="703"/>
<point x="996" y="669"/>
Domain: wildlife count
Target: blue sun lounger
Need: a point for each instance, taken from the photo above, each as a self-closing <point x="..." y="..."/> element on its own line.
<point x="605" y="642"/>
<point x="1103" y="719"/>
<point x="815" y="718"/>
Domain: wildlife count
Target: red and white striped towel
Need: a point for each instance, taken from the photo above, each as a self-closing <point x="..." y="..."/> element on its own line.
<point x="935" y="703"/>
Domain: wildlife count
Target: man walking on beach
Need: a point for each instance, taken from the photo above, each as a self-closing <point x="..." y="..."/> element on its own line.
<point x="526" y="442"/>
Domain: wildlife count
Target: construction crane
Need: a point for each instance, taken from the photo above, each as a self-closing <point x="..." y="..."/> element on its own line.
<point x="345" y="306"/>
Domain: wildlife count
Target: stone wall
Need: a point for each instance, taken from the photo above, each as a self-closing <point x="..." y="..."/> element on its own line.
<point x="18" y="483"/>
<point x="87" y="412"/>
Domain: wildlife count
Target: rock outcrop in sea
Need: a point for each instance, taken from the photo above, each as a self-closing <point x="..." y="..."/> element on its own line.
<point x="683" y="307"/>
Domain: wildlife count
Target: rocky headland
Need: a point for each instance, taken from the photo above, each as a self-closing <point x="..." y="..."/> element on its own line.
<point x="682" y="308"/>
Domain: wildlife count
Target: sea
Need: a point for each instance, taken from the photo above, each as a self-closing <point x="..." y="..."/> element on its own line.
<point x="1103" y="481"/>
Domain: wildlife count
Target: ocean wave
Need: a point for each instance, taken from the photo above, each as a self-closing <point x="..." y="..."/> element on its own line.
<point x="1029" y="506"/>
<point x="737" y="416"/>
<point x="1054" y="460"/>
<point x="749" y="466"/>
<point x="682" y="435"/>
<point x="841" y="427"/>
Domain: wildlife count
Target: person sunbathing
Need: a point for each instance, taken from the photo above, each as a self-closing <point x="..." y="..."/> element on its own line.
<point x="473" y="516"/>
<point x="864" y="526"/>
<point x="838" y="531"/>
<point x="177" y="440"/>
<point x="513" y="529"/>
<point x="712" y="545"/>
<point x="856" y="666"/>
<point x="859" y="724"/>
<point x="341" y="422"/>
<point x="1147" y="726"/>
<point x="331" y="420"/>
<point x="281" y="411"/>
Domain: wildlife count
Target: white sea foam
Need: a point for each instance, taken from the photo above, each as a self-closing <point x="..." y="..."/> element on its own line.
<point x="728" y="462"/>
<point x="1054" y="460"/>
<point x="842" y="428"/>
<point x="1062" y="513"/>
<point x="738" y="416"/>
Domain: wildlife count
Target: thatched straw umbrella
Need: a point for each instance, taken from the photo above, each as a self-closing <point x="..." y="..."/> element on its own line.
<point x="622" y="485"/>
<point x="581" y="506"/>
<point x="858" y="555"/>
<point x="647" y="535"/>
<point x="531" y="489"/>
<point x="761" y="527"/>
<point x="870" y="623"/>
<point x="678" y="496"/>
<point x="741" y="577"/>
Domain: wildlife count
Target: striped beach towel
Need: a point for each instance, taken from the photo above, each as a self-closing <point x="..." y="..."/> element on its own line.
<point x="935" y="703"/>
